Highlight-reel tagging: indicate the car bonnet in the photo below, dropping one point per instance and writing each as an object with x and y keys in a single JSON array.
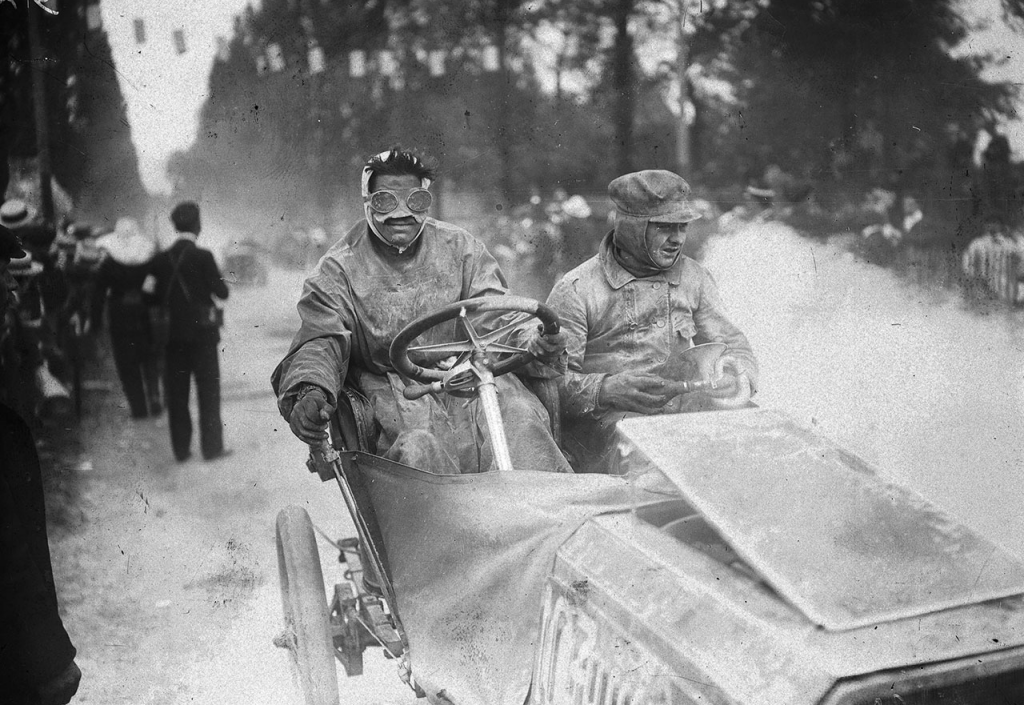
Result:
[{"x": 843, "y": 546}]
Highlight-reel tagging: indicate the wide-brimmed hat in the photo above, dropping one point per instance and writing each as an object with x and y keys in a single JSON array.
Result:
[
  {"x": 654, "y": 195},
  {"x": 16, "y": 212},
  {"x": 10, "y": 246},
  {"x": 24, "y": 267}
]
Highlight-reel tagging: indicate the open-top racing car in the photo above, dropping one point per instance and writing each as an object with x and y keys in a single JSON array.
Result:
[{"x": 777, "y": 567}]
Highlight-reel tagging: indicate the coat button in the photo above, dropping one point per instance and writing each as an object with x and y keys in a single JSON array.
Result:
[{"x": 661, "y": 323}]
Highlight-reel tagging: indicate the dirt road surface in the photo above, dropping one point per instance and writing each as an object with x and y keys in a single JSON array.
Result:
[{"x": 167, "y": 572}]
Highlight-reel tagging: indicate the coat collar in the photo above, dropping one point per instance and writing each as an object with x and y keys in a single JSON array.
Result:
[
  {"x": 618, "y": 277},
  {"x": 184, "y": 237}
]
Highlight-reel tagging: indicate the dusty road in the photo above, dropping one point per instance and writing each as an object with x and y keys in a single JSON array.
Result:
[{"x": 167, "y": 573}]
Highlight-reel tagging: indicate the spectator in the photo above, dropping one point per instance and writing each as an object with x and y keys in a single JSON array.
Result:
[
  {"x": 119, "y": 281},
  {"x": 186, "y": 277},
  {"x": 24, "y": 222}
]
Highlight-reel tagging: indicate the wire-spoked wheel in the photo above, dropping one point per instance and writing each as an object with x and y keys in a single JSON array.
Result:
[{"x": 307, "y": 620}]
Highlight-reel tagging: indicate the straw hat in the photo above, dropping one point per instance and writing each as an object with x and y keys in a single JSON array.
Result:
[
  {"x": 15, "y": 213},
  {"x": 24, "y": 267}
]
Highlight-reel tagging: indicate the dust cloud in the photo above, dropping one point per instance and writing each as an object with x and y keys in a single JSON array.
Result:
[{"x": 924, "y": 387}]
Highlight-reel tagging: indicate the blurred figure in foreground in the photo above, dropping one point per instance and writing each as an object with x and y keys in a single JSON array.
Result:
[
  {"x": 129, "y": 253},
  {"x": 185, "y": 280},
  {"x": 631, "y": 310},
  {"x": 37, "y": 659}
]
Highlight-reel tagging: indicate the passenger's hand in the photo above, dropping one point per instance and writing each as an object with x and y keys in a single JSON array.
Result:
[
  {"x": 310, "y": 415},
  {"x": 728, "y": 370},
  {"x": 547, "y": 347},
  {"x": 734, "y": 386},
  {"x": 60, "y": 689},
  {"x": 640, "y": 393}
]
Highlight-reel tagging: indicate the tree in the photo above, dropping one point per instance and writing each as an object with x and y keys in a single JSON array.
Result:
[
  {"x": 856, "y": 95},
  {"x": 850, "y": 94},
  {"x": 92, "y": 153}
]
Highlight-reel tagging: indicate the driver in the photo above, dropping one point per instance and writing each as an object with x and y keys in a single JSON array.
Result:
[
  {"x": 630, "y": 311},
  {"x": 387, "y": 270}
]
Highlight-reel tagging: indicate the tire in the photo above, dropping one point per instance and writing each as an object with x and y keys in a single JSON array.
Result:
[{"x": 305, "y": 607}]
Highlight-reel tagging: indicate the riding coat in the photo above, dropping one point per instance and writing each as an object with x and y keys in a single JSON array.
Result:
[
  {"x": 616, "y": 322},
  {"x": 361, "y": 294}
]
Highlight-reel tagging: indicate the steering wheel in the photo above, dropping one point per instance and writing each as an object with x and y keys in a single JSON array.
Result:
[{"x": 478, "y": 347}]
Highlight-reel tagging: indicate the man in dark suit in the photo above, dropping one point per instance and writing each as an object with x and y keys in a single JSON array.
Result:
[
  {"x": 37, "y": 659},
  {"x": 186, "y": 279}
]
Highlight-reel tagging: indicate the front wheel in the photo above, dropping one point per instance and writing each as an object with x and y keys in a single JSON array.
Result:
[{"x": 307, "y": 619}]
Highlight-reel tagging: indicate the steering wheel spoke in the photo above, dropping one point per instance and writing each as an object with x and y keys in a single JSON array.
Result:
[
  {"x": 446, "y": 349},
  {"x": 505, "y": 330},
  {"x": 469, "y": 330},
  {"x": 502, "y": 348}
]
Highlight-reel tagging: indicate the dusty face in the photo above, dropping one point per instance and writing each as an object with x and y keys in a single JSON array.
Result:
[
  {"x": 665, "y": 242},
  {"x": 401, "y": 226}
]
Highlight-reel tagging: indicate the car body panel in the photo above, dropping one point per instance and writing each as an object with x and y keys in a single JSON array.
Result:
[
  {"x": 671, "y": 624},
  {"x": 845, "y": 547}
]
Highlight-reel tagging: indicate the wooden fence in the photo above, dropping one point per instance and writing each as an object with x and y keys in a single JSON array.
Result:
[
  {"x": 993, "y": 266},
  {"x": 986, "y": 269}
]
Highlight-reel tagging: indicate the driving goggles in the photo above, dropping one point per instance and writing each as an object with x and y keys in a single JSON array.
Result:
[{"x": 384, "y": 201}]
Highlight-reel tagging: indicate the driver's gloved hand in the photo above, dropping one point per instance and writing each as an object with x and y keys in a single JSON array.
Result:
[
  {"x": 547, "y": 348},
  {"x": 310, "y": 414}
]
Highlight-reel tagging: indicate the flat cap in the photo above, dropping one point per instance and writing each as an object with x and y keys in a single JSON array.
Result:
[
  {"x": 655, "y": 195},
  {"x": 10, "y": 246}
]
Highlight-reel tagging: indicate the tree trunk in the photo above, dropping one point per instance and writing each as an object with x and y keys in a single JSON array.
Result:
[
  {"x": 42, "y": 123},
  {"x": 502, "y": 20},
  {"x": 623, "y": 82},
  {"x": 684, "y": 155}
]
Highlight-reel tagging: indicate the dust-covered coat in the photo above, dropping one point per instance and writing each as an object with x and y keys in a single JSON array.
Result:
[
  {"x": 618, "y": 322},
  {"x": 359, "y": 297}
]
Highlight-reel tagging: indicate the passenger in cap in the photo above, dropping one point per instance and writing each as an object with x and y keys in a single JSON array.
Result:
[
  {"x": 390, "y": 268},
  {"x": 630, "y": 312}
]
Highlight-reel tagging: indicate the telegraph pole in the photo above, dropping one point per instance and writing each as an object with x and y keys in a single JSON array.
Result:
[{"x": 42, "y": 123}]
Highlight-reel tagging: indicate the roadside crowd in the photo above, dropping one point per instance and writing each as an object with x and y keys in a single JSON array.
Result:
[
  {"x": 57, "y": 288},
  {"x": 48, "y": 324},
  {"x": 74, "y": 282}
]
